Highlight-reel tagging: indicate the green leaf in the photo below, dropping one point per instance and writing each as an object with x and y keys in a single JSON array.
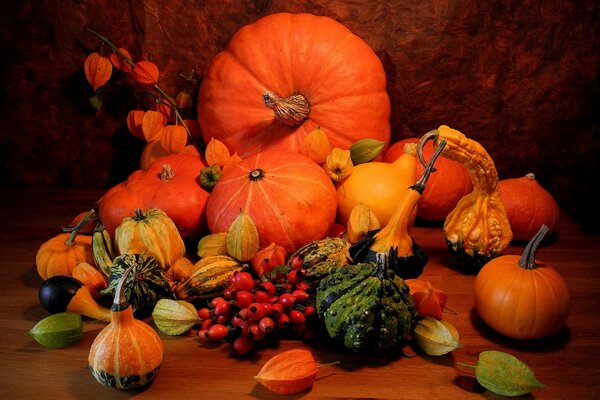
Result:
[
  {"x": 505, "y": 374},
  {"x": 365, "y": 150},
  {"x": 96, "y": 101},
  {"x": 58, "y": 330}
]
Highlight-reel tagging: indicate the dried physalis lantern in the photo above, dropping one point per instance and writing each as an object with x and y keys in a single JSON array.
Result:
[
  {"x": 292, "y": 371},
  {"x": 216, "y": 153},
  {"x": 316, "y": 146},
  {"x": 134, "y": 123},
  {"x": 174, "y": 138},
  {"x": 145, "y": 72},
  {"x": 120, "y": 61},
  {"x": 98, "y": 70},
  {"x": 360, "y": 222},
  {"x": 339, "y": 164},
  {"x": 242, "y": 238}
]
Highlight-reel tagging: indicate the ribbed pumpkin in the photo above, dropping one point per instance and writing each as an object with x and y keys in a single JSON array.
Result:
[
  {"x": 127, "y": 353},
  {"x": 153, "y": 232},
  {"x": 288, "y": 196},
  {"x": 450, "y": 182},
  {"x": 286, "y": 74},
  {"x": 171, "y": 183},
  {"x": 528, "y": 206}
]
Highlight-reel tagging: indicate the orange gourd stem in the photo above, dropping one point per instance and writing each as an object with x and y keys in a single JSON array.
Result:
[
  {"x": 74, "y": 231},
  {"x": 527, "y": 260},
  {"x": 291, "y": 111}
]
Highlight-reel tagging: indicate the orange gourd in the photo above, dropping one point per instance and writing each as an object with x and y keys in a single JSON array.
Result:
[
  {"x": 449, "y": 183},
  {"x": 288, "y": 196},
  {"x": 528, "y": 205},
  {"x": 521, "y": 297},
  {"x": 171, "y": 183},
  {"x": 285, "y": 75},
  {"x": 379, "y": 186}
]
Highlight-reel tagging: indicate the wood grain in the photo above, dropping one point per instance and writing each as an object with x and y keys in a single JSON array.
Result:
[{"x": 566, "y": 362}]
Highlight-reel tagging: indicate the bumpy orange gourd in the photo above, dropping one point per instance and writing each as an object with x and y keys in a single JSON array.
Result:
[
  {"x": 379, "y": 186},
  {"x": 450, "y": 182},
  {"x": 521, "y": 297},
  {"x": 286, "y": 74},
  {"x": 528, "y": 206},
  {"x": 171, "y": 183},
  {"x": 288, "y": 196}
]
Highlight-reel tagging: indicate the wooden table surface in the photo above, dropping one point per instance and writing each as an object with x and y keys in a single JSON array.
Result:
[{"x": 567, "y": 363}]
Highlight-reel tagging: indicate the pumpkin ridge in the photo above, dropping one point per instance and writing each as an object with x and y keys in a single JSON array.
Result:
[
  {"x": 283, "y": 223},
  {"x": 232, "y": 198}
]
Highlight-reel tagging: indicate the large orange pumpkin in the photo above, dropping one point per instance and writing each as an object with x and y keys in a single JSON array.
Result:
[
  {"x": 171, "y": 183},
  {"x": 450, "y": 183},
  {"x": 286, "y": 74},
  {"x": 288, "y": 196}
]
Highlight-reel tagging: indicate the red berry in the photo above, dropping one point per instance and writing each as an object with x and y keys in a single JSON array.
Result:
[
  {"x": 243, "y": 281},
  {"x": 213, "y": 303},
  {"x": 268, "y": 307},
  {"x": 296, "y": 317},
  {"x": 283, "y": 321},
  {"x": 292, "y": 276},
  {"x": 261, "y": 297},
  {"x": 296, "y": 262},
  {"x": 242, "y": 345},
  {"x": 235, "y": 320},
  {"x": 203, "y": 335},
  {"x": 300, "y": 295},
  {"x": 223, "y": 308},
  {"x": 302, "y": 286},
  {"x": 276, "y": 309},
  {"x": 310, "y": 312},
  {"x": 256, "y": 311},
  {"x": 266, "y": 324},
  {"x": 267, "y": 287},
  {"x": 223, "y": 319},
  {"x": 204, "y": 313},
  {"x": 229, "y": 293},
  {"x": 245, "y": 326},
  {"x": 207, "y": 323},
  {"x": 243, "y": 314},
  {"x": 243, "y": 299},
  {"x": 255, "y": 333},
  {"x": 287, "y": 300},
  {"x": 218, "y": 332}
]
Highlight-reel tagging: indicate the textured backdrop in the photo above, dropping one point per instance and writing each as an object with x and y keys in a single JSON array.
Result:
[{"x": 520, "y": 76}]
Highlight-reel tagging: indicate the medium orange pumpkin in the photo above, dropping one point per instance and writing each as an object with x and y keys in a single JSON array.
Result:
[
  {"x": 287, "y": 74},
  {"x": 171, "y": 183},
  {"x": 288, "y": 196},
  {"x": 528, "y": 205},
  {"x": 446, "y": 186},
  {"x": 521, "y": 297}
]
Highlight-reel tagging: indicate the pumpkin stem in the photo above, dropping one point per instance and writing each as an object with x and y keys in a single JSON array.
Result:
[
  {"x": 431, "y": 135},
  {"x": 139, "y": 215},
  {"x": 527, "y": 260},
  {"x": 167, "y": 173},
  {"x": 419, "y": 186},
  {"x": 90, "y": 216},
  {"x": 291, "y": 111}
]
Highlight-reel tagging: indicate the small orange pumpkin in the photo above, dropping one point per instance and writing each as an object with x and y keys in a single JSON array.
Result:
[
  {"x": 521, "y": 297},
  {"x": 288, "y": 196},
  {"x": 446, "y": 186},
  {"x": 528, "y": 205}
]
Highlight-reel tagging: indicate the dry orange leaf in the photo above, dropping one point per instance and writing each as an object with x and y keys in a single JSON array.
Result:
[
  {"x": 134, "y": 123},
  {"x": 153, "y": 123},
  {"x": 316, "y": 146},
  {"x": 145, "y": 72},
  {"x": 292, "y": 371},
  {"x": 216, "y": 153},
  {"x": 98, "y": 70},
  {"x": 119, "y": 63},
  {"x": 174, "y": 138}
]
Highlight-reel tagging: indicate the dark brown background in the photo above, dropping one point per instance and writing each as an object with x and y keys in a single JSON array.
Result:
[{"x": 521, "y": 77}]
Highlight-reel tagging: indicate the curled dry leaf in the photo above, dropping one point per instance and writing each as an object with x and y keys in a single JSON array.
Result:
[
  {"x": 119, "y": 63},
  {"x": 145, "y": 72},
  {"x": 316, "y": 146},
  {"x": 216, "y": 153},
  {"x": 98, "y": 70},
  {"x": 134, "y": 123},
  {"x": 339, "y": 164},
  {"x": 153, "y": 123},
  {"x": 174, "y": 138},
  {"x": 292, "y": 371}
]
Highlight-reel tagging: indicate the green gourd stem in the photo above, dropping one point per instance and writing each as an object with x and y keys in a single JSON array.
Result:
[
  {"x": 419, "y": 186},
  {"x": 527, "y": 260},
  {"x": 431, "y": 135},
  {"x": 90, "y": 216},
  {"x": 166, "y": 97}
]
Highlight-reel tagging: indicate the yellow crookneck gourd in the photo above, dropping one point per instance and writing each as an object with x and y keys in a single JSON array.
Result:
[
  {"x": 478, "y": 229},
  {"x": 403, "y": 255}
]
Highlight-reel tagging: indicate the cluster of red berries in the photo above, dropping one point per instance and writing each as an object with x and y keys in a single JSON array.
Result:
[{"x": 251, "y": 309}]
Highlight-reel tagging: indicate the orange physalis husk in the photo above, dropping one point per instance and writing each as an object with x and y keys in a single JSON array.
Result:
[
  {"x": 292, "y": 371},
  {"x": 98, "y": 70},
  {"x": 268, "y": 258},
  {"x": 134, "y": 123},
  {"x": 429, "y": 301},
  {"x": 152, "y": 152},
  {"x": 119, "y": 63},
  {"x": 174, "y": 138},
  {"x": 145, "y": 72},
  {"x": 316, "y": 146},
  {"x": 191, "y": 150},
  {"x": 216, "y": 153},
  {"x": 153, "y": 124},
  {"x": 165, "y": 109},
  {"x": 339, "y": 164}
]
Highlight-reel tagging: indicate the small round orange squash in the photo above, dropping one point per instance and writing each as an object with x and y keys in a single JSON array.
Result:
[
  {"x": 528, "y": 206},
  {"x": 285, "y": 75},
  {"x": 289, "y": 197},
  {"x": 446, "y": 186}
]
